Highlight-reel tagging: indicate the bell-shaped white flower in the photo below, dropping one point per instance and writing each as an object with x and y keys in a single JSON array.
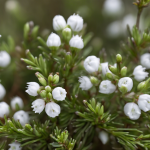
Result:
[
  {"x": 59, "y": 94},
  {"x": 53, "y": 40},
  {"x": 85, "y": 83},
  {"x": 139, "y": 73},
  {"x": 16, "y": 100},
  {"x": 4, "y": 109},
  {"x": 32, "y": 88},
  {"x": 103, "y": 136},
  {"x": 22, "y": 117},
  {"x": 15, "y": 146},
  {"x": 126, "y": 82},
  {"x": 2, "y": 91},
  {"x": 38, "y": 105},
  {"x": 105, "y": 68},
  {"x": 106, "y": 87},
  {"x": 52, "y": 109},
  {"x": 59, "y": 23},
  {"x": 145, "y": 60},
  {"x": 132, "y": 111},
  {"x": 76, "y": 42},
  {"x": 75, "y": 22},
  {"x": 113, "y": 7},
  {"x": 144, "y": 102},
  {"x": 4, "y": 59},
  {"x": 91, "y": 64}
]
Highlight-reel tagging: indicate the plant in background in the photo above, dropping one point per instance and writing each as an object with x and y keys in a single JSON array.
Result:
[{"x": 84, "y": 97}]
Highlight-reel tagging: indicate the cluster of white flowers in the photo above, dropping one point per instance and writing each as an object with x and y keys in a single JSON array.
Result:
[
  {"x": 133, "y": 111},
  {"x": 59, "y": 24},
  {"x": 51, "y": 108}
]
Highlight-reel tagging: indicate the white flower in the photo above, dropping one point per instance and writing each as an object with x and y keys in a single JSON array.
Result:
[
  {"x": 75, "y": 22},
  {"x": 38, "y": 105},
  {"x": 53, "y": 40},
  {"x": 22, "y": 117},
  {"x": 91, "y": 64},
  {"x": 106, "y": 87},
  {"x": 16, "y": 100},
  {"x": 145, "y": 60},
  {"x": 113, "y": 7},
  {"x": 85, "y": 83},
  {"x": 4, "y": 59},
  {"x": 76, "y": 42},
  {"x": 52, "y": 109},
  {"x": 144, "y": 102},
  {"x": 15, "y": 146},
  {"x": 132, "y": 111},
  {"x": 103, "y": 136},
  {"x": 59, "y": 23},
  {"x": 126, "y": 82},
  {"x": 2, "y": 91},
  {"x": 59, "y": 94},
  {"x": 139, "y": 73},
  {"x": 105, "y": 68},
  {"x": 4, "y": 109},
  {"x": 33, "y": 87}
]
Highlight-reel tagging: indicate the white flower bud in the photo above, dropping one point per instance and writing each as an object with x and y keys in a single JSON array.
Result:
[
  {"x": 103, "y": 136},
  {"x": 4, "y": 59},
  {"x": 52, "y": 109},
  {"x": 2, "y": 91},
  {"x": 126, "y": 82},
  {"x": 59, "y": 94},
  {"x": 91, "y": 64},
  {"x": 139, "y": 73},
  {"x": 85, "y": 83},
  {"x": 32, "y": 88},
  {"x": 145, "y": 60},
  {"x": 38, "y": 105},
  {"x": 53, "y": 40},
  {"x": 76, "y": 42},
  {"x": 75, "y": 22},
  {"x": 105, "y": 68},
  {"x": 132, "y": 111},
  {"x": 15, "y": 146},
  {"x": 144, "y": 102},
  {"x": 106, "y": 87},
  {"x": 4, "y": 109},
  {"x": 22, "y": 117},
  {"x": 16, "y": 100},
  {"x": 59, "y": 23}
]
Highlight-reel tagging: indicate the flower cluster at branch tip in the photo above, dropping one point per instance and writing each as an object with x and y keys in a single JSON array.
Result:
[
  {"x": 49, "y": 96},
  {"x": 75, "y": 24}
]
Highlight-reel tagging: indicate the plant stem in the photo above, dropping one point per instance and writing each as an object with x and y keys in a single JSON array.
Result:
[{"x": 138, "y": 17}]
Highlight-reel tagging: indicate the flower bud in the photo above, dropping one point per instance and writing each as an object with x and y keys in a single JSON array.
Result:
[
  {"x": 141, "y": 86},
  {"x": 67, "y": 34},
  {"x": 49, "y": 95},
  {"x": 94, "y": 80},
  {"x": 75, "y": 22},
  {"x": 123, "y": 71},
  {"x": 53, "y": 41},
  {"x": 109, "y": 76},
  {"x": 118, "y": 58},
  {"x": 48, "y": 89},
  {"x": 43, "y": 93},
  {"x": 59, "y": 23},
  {"x": 50, "y": 78},
  {"x": 68, "y": 57},
  {"x": 123, "y": 89},
  {"x": 4, "y": 59},
  {"x": 76, "y": 43},
  {"x": 55, "y": 79},
  {"x": 113, "y": 69},
  {"x": 42, "y": 81}
]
